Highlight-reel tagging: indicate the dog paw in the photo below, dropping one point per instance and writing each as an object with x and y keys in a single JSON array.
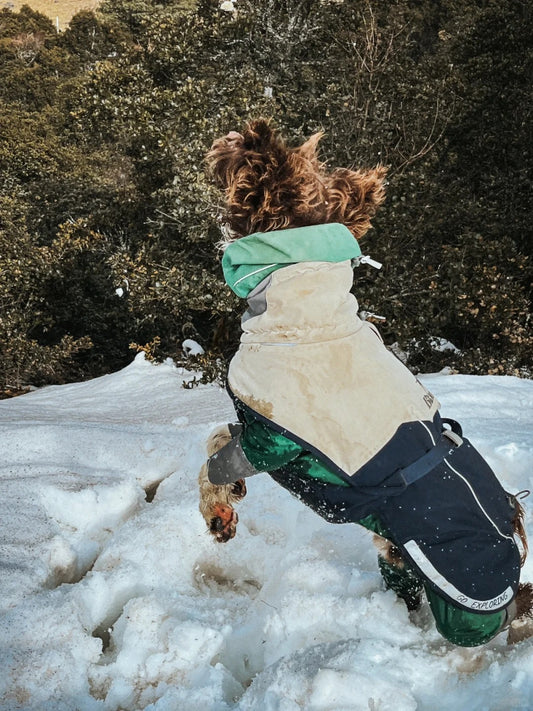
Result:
[
  {"x": 223, "y": 525},
  {"x": 238, "y": 490}
]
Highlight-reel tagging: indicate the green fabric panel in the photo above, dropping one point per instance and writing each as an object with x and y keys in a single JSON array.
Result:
[
  {"x": 249, "y": 260},
  {"x": 268, "y": 450},
  {"x": 403, "y": 581},
  {"x": 466, "y": 629},
  {"x": 374, "y": 524},
  {"x": 265, "y": 449},
  {"x": 311, "y": 466}
]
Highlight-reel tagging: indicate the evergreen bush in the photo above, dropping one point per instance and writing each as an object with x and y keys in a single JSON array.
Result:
[{"x": 109, "y": 224}]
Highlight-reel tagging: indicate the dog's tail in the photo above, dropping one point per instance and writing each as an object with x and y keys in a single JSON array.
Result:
[
  {"x": 524, "y": 597},
  {"x": 519, "y": 529}
]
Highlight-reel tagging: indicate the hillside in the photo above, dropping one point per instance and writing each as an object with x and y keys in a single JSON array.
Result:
[{"x": 59, "y": 11}]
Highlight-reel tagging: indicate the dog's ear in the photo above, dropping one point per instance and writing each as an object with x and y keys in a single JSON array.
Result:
[
  {"x": 354, "y": 197},
  {"x": 224, "y": 158},
  {"x": 259, "y": 136},
  {"x": 257, "y": 144},
  {"x": 308, "y": 150}
]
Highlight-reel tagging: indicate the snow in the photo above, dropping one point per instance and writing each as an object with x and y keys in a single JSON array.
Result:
[
  {"x": 115, "y": 599},
  {"x": 192, "y": 348}
]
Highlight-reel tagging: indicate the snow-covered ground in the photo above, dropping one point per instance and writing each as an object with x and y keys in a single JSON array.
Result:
[{"x": 114, "y": 602}]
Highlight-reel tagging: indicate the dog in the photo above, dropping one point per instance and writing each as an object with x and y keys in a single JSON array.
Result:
[{"x": 276, "y": 190}]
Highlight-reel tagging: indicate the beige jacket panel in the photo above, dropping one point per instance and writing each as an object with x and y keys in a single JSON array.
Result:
[{"x": 312, "y": 366}]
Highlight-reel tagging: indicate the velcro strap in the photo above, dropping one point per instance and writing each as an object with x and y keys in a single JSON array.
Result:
[
  {"x": 449, "y": 441},
  {"x": 399, "y": 480}
]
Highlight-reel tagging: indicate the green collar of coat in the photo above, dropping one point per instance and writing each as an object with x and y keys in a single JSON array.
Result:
[{"x": 249, "y": 260}]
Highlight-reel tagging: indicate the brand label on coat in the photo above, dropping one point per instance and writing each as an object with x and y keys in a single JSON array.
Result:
[{"x": 429, "y": 570}]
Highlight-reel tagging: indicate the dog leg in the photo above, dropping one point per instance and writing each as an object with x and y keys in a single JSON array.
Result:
[
  {"x": 407, "y": 586},
  {"x": 388, "y": 551},
  {"x": 521, "y": 627},
  {"x": 216, "y": 502}
]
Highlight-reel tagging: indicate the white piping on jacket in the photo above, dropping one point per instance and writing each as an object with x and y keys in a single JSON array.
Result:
[
  {"x": 257, "y": 271},
  {"x": 510, "y": 538}
]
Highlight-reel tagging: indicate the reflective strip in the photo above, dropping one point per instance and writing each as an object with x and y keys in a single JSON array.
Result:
[
  {"x": 509, "y": 538},
  {"x": 429, "y": 570},
  {"x": 257, "y": 271},
  {"x": 503, "y": 535}
]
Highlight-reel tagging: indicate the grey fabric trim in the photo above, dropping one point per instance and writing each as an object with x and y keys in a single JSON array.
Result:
[
  {"x": 235, "y": 428},
  {"x": 229, "y": 464},
  {"x": 256, "y": 299}
]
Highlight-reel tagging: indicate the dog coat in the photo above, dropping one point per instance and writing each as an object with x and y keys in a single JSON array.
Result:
[
  {"x": 314, "y": 372},
  {"x": 306, "y": 361}
]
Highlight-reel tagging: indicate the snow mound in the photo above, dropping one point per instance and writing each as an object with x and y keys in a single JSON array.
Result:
[{"x": 114, "y": 597}]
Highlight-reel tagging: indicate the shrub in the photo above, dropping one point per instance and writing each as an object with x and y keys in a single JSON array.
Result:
[{"x": 103, "y": 190}]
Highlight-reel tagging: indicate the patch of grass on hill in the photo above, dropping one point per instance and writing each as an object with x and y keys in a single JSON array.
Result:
[{"x": 59, "y": 11}]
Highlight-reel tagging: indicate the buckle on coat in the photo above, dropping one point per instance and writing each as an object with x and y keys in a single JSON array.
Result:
[{"x": 453, "y": 436}]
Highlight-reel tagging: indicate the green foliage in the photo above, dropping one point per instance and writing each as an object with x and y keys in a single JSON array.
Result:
[
  {"x": 102, "y": 186},
  {"x": 25, "y": 310},
  {"x": 90, "y": 40}
]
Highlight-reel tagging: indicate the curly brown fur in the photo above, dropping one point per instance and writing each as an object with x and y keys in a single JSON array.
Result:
[
  {"x": 520, "y": 530},
  {"x": 524, "y": 601},
  {"x": 269, "y": 186},
  {"x": 216, "y": 501},
  {"x": 521, "y": 626},
  {"x": 388, "y": 551}
]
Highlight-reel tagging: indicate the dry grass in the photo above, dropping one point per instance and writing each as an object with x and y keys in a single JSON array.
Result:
[{"x": 59, "y": 11}]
